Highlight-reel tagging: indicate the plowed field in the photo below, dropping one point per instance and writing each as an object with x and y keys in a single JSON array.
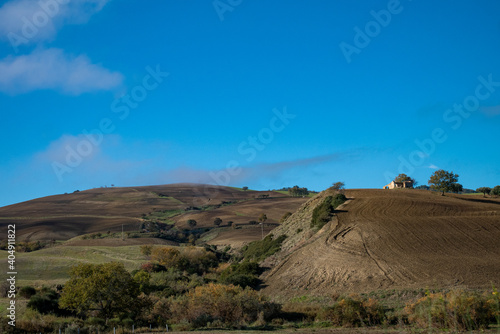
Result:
[{"x": 384, "y": 239}]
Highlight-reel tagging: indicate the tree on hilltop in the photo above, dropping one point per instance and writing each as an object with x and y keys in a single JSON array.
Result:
[
  {"x": 445, "y": 181},
  {"x": 403, "y": 177},
  {"x": 298, "y": 192},
  {"x": 484, "y": 190},
  {"x": 495, "y": 191},
  {"x": 338, "y": 186}
]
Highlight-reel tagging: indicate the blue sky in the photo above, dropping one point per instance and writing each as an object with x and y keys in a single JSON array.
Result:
[{"x": 256, "y": 93}]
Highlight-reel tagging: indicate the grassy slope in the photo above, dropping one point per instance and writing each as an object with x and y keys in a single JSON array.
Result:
[{"x": 50, "y": 266}]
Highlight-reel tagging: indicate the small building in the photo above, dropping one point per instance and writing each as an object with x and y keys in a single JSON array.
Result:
[{"x": 399, "y": 185}]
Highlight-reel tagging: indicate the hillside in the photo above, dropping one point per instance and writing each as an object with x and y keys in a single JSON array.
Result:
[
  {"x": 383, "y": 239},
  {"x": 63, "y": 217}
]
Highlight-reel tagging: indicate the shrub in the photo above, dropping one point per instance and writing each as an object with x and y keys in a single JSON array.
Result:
[
  {"x": 354, "y": 312},
  {"x": 190, "y": 259},
  {"x": 146, "y": 250},
  {"x": 151, "y": 267},
  {"x": 225, "y": 304},
  {"x": 284, "y": 217},
  {"x": 4, "y": 289},
  {"x": 323, "y": 212},
  {"x": 166, "y": 256},
  {"x": 33, "y": 322},
  {"x": 457, "y": 309},
  {"x": 27, "y": 292},
  {"x": 242, "y": 274},
  {"x": 45, "y": 303},
  {"x": 259, "y": 250}
]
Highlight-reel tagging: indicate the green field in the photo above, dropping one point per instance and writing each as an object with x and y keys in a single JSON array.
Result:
[{"x": 50, "y": 266}]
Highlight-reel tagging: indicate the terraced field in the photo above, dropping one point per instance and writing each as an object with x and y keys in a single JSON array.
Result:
[{"x": 385, "y": 239}]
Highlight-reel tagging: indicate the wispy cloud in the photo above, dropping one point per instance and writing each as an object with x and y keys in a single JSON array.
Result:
[
  {"x": 58, "y": 150},
  {"x": 251, "y": 173},
  {"x": 29, "y": 21},
  {"x": 491, "y": 111},
  {"x": 432, "y": 166},
  {"x": 53, "y": 69},
  {"x": 87, "y": 157}
]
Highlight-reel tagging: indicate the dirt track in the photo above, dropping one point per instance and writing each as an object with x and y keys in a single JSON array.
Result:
[{"x": 397, "y": 239}]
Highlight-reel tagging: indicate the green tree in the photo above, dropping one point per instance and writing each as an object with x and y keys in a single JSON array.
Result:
[
  {"x": 245, "y": 188},
  {"x": 262, "y": 218},
  {"x": 295, "y": 191},
  {"x": 192, "y": 223},
  {"x": 217, "y": 221},
  {"x": 338, "y": 186},
  {"x": 444, "y": 181},
  {"x": 484, "y": 190},
  {"x": 105, "y": 288},
  {"x": 403, "y": 177},
  {"x": 495, "y": 191}
]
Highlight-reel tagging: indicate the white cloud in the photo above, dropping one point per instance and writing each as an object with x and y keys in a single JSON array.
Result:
[
  {"x": 432, "y": 166},
  {"x": 53, "y": 69},
  {"x": 59, "y": 150},
  {"x": 29, "y": 21}
]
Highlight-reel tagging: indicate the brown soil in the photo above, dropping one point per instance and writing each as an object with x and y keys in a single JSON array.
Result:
[
  {"x": 240, "y": 237},
  {"x": 385, "y": 239},
  {"x": 118, "y": 242},
  {"x": 63, "y": 217}
]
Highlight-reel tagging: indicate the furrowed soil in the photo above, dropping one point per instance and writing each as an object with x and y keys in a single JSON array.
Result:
[
  {"x": 63, "y": 217},
  {"x": 389, "y": 239}
]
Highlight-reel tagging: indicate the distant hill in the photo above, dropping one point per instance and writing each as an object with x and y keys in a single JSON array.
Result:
[
  {"x": 63, "y": 217},
  {"x": 385, "y": 239}
]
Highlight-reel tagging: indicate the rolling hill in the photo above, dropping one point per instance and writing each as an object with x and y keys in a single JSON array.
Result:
[
  {"x": 389, "y": 239},
  {"x": 63, "y": 217}
]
